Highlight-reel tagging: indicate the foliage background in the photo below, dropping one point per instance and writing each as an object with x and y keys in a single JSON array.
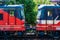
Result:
[{"x": 30, "y": 8}]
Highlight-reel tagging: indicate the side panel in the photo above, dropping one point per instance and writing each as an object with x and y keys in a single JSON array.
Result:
[
  {"x": 11, "y": 20},
  {"x": 5, "y": 18},
  {"x": 4, "y": 21},
  {"x": 19, "y": 22}
]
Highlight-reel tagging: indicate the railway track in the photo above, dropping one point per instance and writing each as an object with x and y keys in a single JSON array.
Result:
[{"x": 27, "y": 38}]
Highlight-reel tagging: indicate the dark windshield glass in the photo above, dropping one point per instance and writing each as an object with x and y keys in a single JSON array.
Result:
[
  {"x": 18, "y": 13},
  {"x": 58, "y": 14},
  {"x": 49, "y": 14}
]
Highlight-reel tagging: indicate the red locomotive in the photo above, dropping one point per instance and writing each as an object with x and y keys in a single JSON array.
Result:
[{"x": 12, "y": 18}]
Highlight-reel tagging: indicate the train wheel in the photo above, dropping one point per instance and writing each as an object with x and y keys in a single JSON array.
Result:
[
  {"x": 8, "y": 34},
  {"x": 19, "y": 34},
  {"x": 41, "y": 33},
  {"x": 56, "y": 34},
  {"x": 50, "y": 34}
]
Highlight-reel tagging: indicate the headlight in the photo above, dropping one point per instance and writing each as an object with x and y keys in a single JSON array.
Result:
[{"x": 38, "y": 20}]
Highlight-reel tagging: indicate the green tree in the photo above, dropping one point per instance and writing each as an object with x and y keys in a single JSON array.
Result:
[{"x": 30, "y": 14}]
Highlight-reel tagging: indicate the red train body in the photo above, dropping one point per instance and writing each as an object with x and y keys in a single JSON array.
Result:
[{"x": 12, "y": 18}]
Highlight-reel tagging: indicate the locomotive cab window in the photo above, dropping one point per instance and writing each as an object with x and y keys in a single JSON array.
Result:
[
  {"x": 1, "y": 16},
  {"x": 11, "y": 12}
]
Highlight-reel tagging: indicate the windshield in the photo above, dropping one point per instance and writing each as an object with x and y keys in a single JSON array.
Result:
[
  {"x": 49, "y": 14},
  {"x": 19, "y": 13}
]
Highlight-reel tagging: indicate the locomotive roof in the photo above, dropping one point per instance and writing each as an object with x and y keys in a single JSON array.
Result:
[
  {"x": 12, "y": 6},
  {"x": 48, "y": 6}
]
